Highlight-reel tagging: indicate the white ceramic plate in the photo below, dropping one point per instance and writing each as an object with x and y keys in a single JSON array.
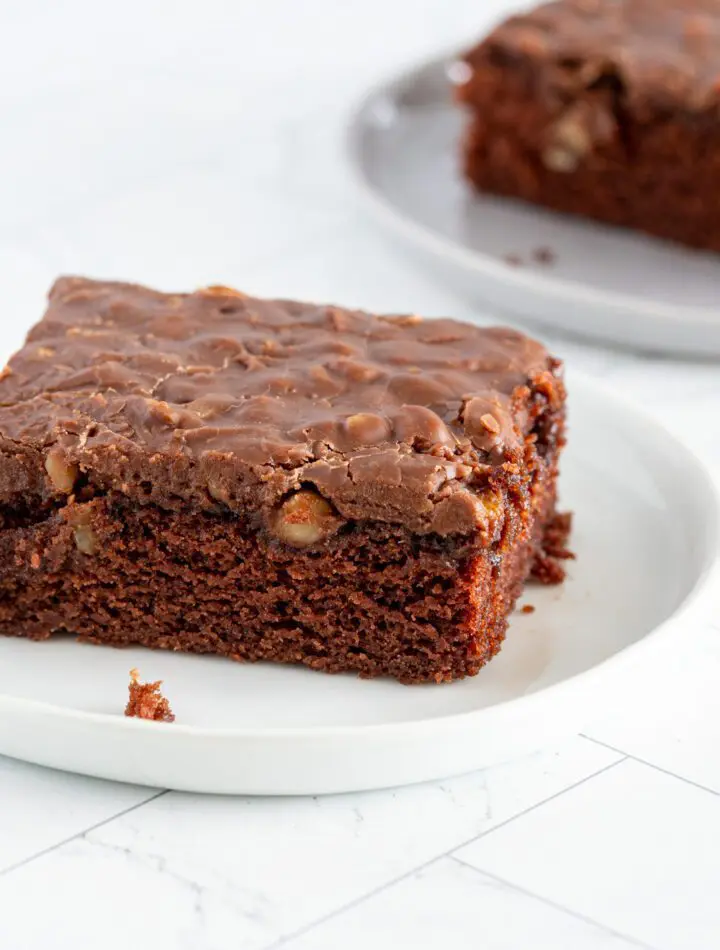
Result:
[
  {"x": 605, "y": 283},
  {"x": 646, "y": 537}
]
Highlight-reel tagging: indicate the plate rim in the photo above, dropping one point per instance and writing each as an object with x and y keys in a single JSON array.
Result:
[
  {"x": 432, "y": 242},
  {"x": 693, "y": 601}
]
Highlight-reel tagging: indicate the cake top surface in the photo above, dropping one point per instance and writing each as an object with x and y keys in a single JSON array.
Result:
[
  {"x": 663, "y": 51},
  {"x": 229, "y": 392}
]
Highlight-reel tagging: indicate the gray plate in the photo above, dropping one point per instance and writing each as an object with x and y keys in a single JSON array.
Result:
[{"x": 604, "y": 283}]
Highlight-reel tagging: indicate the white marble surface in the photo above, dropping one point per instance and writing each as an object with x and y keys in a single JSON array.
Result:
[{"x": 612, "y": 840}]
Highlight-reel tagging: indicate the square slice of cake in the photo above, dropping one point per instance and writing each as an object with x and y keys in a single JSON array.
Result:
[
  {"x": 270, "y": 480},
  {"x": 603, "y": 108}
]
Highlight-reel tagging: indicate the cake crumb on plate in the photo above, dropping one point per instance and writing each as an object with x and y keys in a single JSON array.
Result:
[
  {"x": 544, "y": 255},
  {"x": 146, "y": 701}
]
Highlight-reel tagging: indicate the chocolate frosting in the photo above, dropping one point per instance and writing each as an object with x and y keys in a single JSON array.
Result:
[
  {"x": 216, "y": 398},
  {"x": 663, "y": 53}
]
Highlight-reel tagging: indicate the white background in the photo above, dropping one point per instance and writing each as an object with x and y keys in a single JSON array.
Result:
[{"x": 183, "y": 144}]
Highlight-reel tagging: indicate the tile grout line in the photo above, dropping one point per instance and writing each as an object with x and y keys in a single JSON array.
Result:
[
  {"x": 650, "y": 765},
  {"x": 526, "y": 811},
  {"x": 550, "y": 903},
  {"x": 286, "y": 938},
  {"x": 80, "y": 834}
]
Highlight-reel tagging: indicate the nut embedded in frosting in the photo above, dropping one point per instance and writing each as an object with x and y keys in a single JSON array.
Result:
[
  {"x": 367, "y": 428},
  {"x": 304, "y": 518},
  {"x": 62, "y": 473},
  {"x": 490, "y": 423},
  {"x": 220, "y": 290},
  {"x": 413, "y": 423}
]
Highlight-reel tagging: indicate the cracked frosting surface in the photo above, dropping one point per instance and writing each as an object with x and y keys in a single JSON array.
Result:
[
  {"x": 219, "y": 398},
  {"x": 664, "y": 52}
]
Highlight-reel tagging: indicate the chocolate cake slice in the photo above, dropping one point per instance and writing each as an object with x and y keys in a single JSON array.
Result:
[
  {"x": 604, "y": 108},
  {"x": 270, "y": 480}
]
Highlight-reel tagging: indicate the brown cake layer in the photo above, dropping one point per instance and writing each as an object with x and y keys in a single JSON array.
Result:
[
  {"x": 272, "y": 480},
  {"x": 603, "y": 108}
]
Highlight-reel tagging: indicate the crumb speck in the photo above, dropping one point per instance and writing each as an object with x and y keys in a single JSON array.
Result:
[
  {"x": 544, "y": 255},
  {"x": 527, "y": 609},
  {"x": 146, "y": 701}
]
